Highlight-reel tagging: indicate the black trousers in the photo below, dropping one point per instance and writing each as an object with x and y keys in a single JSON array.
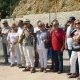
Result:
[{"x": 57, "y": 60}]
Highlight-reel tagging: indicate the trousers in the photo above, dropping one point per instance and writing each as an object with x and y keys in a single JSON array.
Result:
[
  {"x": 29, "y": 55},
  {"x": 73, "y": 59},
  {"x": 15, "y": 54},
  {"x": 42, "y": 57},
  {"x": 23, "y": 62}
]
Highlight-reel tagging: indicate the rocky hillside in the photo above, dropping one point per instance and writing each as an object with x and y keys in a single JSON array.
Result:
[{"x": 44, "y": 6}]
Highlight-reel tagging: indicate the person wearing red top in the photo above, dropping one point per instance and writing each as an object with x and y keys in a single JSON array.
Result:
[{"x": 58, "y": 42}]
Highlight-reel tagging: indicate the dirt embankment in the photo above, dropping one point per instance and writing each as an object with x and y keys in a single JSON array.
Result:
[{"x": 44, "y": 6}]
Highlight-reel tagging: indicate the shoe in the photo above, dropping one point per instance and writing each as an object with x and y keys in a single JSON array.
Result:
[
  {"x": 33, "y": 70},
  {"x": 51, "y": 68},
  {"x": 22, "y": 67},
  {"x": 26, "y": 69},
  {"x": 74, "y": 75},
  {"x": 6, "y": 63},
  {"x": 69, "y": 73},
  {"x": 12, "y": 65},
  {"x": 45, "y": 71},
  {"x": 78, "y": 78},
  {"x": 55, "y": 70},
  {"x": 59, "y": 72},
  {"x": 19, "y": 65},
  {"x": 42, "y": 69}
]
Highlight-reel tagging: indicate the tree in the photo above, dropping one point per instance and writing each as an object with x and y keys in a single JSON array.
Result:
[{"x": 7, "y": 7}]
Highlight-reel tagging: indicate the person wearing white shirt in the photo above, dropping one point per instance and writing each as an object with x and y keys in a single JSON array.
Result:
[
  {"x": 20, "y": 32},
  {"x": 40, "y": 46},
  {"x": 12, "y": 39},
  {"x": 75, "y": 52}
]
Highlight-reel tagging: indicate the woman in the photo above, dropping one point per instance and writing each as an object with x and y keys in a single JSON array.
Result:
[
  {"x": 41, "y": 46},
  {"x": 68, "y": 35},
  {"x": 28, "y": 49},
  {"x": 14, "y": 48},
  {"x": 75, "y": 51}
]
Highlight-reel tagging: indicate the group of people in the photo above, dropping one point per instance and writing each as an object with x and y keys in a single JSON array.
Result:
[{"x": 29, "y": 46}]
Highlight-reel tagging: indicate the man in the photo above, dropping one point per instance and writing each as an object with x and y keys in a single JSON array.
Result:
[
  {"x": 20, "y": 31},
  {"x": 5, "y": 30},
  {"x": 58, "y": 42},
  {"x": 36, "y": 53}
]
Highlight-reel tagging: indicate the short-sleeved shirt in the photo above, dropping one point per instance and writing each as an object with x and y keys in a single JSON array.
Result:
[{"x": 58, "y": 37}]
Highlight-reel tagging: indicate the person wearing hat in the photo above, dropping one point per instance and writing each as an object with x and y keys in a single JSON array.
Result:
[
  {"x": 28, "y": 47},
  {"x": 12, "y": 39},
  {"x": 20, "y": 31},
  {"x": 75, "y": 51},
  {"x": 4, "y": 33}
]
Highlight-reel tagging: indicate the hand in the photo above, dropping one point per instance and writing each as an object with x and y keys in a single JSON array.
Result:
[
  {"x": 14, "y": 43},
  {"x": 62, "y": 49},
  {"x": 66, "y": 47}
]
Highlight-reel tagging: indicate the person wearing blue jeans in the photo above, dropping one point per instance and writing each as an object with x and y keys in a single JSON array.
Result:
[{"x": 58, "y": 59}]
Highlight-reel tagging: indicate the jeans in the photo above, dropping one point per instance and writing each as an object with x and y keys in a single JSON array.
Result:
[
  {"x": 49, "y": 54},
  {"x": 5, "y": 52},
  {"x": 58, "y": 60}
]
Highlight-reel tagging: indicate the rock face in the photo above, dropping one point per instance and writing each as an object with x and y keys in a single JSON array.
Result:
[{"x": 45, "y": 6}]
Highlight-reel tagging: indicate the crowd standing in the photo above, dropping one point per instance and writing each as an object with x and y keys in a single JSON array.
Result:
[{"x": 30, "y": 47}]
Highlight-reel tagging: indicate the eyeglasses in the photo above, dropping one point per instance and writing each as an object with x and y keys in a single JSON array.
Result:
[
  {"x": 40, "y": 26},
  {"x": 77, "y": 23}
]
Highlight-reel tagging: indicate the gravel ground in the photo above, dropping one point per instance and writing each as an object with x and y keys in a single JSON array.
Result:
[{"x": 14, "y": 73}]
